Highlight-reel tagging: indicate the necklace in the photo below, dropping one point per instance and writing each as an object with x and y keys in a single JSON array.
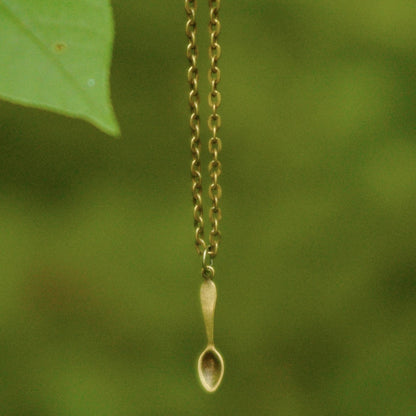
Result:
[{"x": 210, "y": 362}]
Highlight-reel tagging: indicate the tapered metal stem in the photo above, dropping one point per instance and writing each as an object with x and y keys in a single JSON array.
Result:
[{"x": 208, "y": 294}]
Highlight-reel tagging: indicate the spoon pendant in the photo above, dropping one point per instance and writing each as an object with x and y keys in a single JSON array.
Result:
[{"x": 210, "y": 362}]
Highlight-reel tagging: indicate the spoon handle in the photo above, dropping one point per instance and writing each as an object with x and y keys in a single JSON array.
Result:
[{"x": 208, "y": 295}]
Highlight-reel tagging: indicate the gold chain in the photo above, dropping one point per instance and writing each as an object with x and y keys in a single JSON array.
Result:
[
  {"x": 214, "y": 123},
  {"x": 210, "y": 362}
]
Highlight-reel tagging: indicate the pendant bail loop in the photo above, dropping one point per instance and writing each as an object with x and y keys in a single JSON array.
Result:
[{"x": 208, "y": 271}]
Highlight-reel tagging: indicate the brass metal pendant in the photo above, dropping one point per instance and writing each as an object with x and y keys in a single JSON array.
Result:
[{"x": 210, "y": 362}]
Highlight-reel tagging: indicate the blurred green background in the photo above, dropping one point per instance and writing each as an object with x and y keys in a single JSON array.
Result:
[{"x": 99, "y": 311}]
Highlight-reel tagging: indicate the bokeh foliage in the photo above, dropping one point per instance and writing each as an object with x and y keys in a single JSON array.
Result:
[{"x": 316, "y": 272}]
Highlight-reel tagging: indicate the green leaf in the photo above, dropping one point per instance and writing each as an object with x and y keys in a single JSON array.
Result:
[{"x": 56, "y": 55}]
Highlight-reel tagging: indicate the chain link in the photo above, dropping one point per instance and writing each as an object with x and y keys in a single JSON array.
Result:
[{"x": 214, "y": 123}]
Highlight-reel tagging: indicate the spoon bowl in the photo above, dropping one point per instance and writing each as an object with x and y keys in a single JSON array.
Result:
[{"x": 210, "y": 368}]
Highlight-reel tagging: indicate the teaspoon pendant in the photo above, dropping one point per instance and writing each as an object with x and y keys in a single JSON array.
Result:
[{"x": 210, "y": 362}]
